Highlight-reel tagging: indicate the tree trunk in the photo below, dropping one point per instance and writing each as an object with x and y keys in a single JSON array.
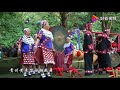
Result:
[
  {"x": 63, "y": 16},
  {"x": 103, "y": 22},
  {"x": 106, "y": 24}
]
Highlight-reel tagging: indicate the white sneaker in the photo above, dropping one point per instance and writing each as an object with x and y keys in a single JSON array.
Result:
[
  {"x": 33, "y": 72},
  {"x": 48, "y": 74},
  {"x": 25, "y": 74},
  {"x": 38, "y": 72},
  {"x": 21, "y": 70},
  {"x": 43, "y": 75},
  {"x": 29, "y": 73}
]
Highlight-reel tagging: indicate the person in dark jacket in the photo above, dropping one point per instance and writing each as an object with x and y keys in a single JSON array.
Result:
[{"x": 88, "y": 47}]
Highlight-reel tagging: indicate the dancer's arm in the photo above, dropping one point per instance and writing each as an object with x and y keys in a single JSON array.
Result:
[{"x": 36, "y": 44}]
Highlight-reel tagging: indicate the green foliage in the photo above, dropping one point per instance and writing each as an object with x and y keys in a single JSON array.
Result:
[
  {"x": 12, "y": 24},
  {"x": 77, "y": 19},
  {"x": 116, "y": 24},
  {"x": 74, "y": 40},
  {"x": 51, "y": 17},
  {"x": 97, "y": 26},
  {"x": 10, "y": 28}
]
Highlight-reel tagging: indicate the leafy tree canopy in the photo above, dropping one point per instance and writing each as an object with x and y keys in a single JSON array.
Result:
[{"x": 13, "y": 23}]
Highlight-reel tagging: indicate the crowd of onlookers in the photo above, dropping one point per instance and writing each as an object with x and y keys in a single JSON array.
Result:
[{"x": 10, "y": 51}]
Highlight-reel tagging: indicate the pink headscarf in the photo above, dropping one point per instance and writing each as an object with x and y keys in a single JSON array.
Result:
[
  {"x": 44, "y": 22},
  {"x": 88, "y": 25}
]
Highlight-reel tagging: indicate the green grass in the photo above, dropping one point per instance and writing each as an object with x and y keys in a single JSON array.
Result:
[
  {"x": 6, "y": 64},
  {"x": 66, "y": 75}
]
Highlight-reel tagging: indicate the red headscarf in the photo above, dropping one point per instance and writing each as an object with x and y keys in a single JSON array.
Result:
[
  {"x": 88, "y": 31},
  {"x": 88, "y": 25}
]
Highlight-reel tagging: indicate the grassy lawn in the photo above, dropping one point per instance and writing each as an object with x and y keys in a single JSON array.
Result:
[
  {"x": 6, "y": 64},
  {"x": 66, "y": 75}
]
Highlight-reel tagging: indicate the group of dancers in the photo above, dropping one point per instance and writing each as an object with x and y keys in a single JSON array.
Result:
[
  {"x": 102, "y": 46},
  {"x": 39, "y": 51}
]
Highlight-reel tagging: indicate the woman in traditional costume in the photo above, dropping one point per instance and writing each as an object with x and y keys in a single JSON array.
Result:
[
  {"x": 68, "y": 48},
  {"x": 44, "y": 49},
  {"x": 25, "y": 47}
]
